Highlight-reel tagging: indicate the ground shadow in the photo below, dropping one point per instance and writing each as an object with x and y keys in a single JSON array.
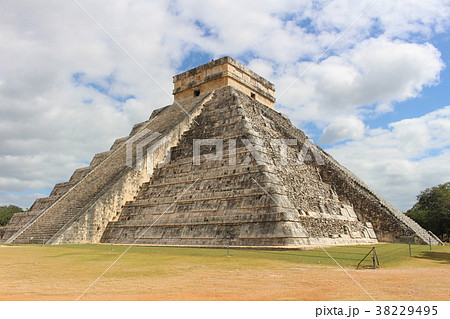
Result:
[{"x": 441, "y": 257}]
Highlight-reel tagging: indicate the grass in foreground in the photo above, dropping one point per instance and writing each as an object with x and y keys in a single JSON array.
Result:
[
  {"x": 36, "y": 272},
  {"x": 389, "y": 255}
]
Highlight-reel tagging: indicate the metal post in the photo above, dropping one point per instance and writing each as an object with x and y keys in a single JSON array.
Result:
[
  {"x": 228, "y": 250},
  {"x": 429, "y": 240},
  {"x": 410, "y": 254},
  {"x": 374, "y": 258}
]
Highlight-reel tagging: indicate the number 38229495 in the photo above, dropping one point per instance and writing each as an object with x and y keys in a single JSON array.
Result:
[{"x": 406, "y": 310}]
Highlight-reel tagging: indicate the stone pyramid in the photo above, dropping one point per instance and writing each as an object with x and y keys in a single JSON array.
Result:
[{"x": 217, "y": 167}]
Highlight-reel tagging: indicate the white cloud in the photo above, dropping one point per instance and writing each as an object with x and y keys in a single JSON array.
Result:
[
  {"x": 262, "y": 67},
  {"x": 374, "y": 74},
  {"x": 21, "y": 200},
  {"x": 403, "y": 160},
  {"x": 395, "y": 19},
  {"x": 342, "y": 129},
  {"x": 51, "y": 124}
]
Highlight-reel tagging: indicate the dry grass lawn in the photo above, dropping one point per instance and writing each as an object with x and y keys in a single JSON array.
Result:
[{"x": 32, "y": 272}]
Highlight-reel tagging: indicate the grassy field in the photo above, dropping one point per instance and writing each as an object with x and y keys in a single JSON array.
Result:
[{"x": 33, "y": 272}]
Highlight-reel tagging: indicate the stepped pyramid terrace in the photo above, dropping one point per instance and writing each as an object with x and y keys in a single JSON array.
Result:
[{"x": 220, "y": 166}]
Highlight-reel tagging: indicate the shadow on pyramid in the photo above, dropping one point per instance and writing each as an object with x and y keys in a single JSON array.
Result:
[{"x": 218, "y": 167}]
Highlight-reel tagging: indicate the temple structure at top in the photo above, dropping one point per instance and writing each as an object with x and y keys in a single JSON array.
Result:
[
  {"x": 252, "y": 196},
  {"x": 221, "y": 73}
]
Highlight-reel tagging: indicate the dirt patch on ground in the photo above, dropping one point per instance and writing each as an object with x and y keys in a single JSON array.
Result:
[
  {"x": 64, "y": 273},
  {"x": 279, "y": 284}
]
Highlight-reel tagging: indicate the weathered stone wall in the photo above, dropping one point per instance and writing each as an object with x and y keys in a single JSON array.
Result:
[
  {"x": 21, "y": 220},
  {"x": 51, "y": 220},
  {"x": 315, "y": 201},
  {"x": 216, "y": 203},
  {"x": 258, "y": 91},
  {"x": 78, "y": 197},
  {"x": 221, "y": 73},
  {"x": 88, "y": 226},
  {"x": 233, "y": 200},
  {"x": 213, "y": 83},
  {"x": 18, "y": 221},
  {"x": 388, "y": 222}
]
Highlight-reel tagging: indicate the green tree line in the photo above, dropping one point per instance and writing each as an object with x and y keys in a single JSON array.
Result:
[
  {"x": 432, "y": 210},
  {"x": 6, "y": 212}
]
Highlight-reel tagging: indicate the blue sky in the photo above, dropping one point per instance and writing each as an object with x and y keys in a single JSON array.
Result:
[
  {"x": 430, "y": 99},
  {"x": 377, "y": 101}
]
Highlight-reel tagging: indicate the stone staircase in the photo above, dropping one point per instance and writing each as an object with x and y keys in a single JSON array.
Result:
[
  {"x": 41, "y": 228},
  {"x": 260, "y": 203},
  {"x": 100, "y": 187},
  {"x": 215, "y": 203},
  {"x": 22, "y": 220}
]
